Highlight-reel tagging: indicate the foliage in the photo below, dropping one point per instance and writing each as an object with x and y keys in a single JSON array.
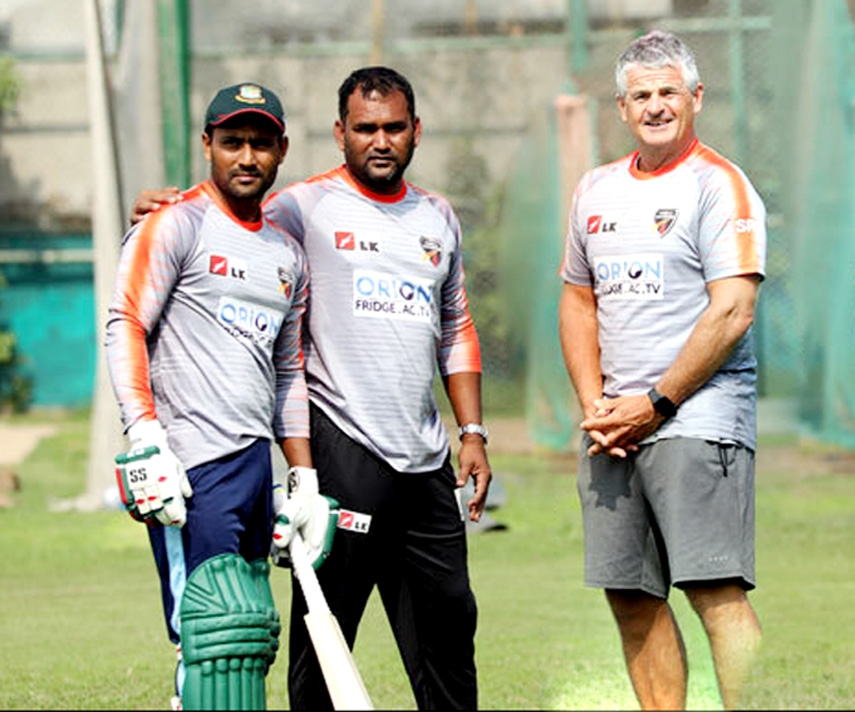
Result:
[
  {"x": 86, "y": 583},
  {"x": 16, "y": 388},
  {"x": 9, "y": 84}
]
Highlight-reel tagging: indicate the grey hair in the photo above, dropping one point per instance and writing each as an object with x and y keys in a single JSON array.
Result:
[{"x": 655, "y": 50}]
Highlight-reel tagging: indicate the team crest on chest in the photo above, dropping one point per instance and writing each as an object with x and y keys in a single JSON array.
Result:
[
  {"x": 286, "y": 282},
  {"x": 431, "y": 250},
  {"x": 664, "y": 220}
]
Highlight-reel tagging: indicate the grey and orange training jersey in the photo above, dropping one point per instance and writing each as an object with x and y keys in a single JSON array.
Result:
[
  {"x": 648, "y": 244},
  {"x": 204, "y": 328},
  {"x": 388, "y": 305}
]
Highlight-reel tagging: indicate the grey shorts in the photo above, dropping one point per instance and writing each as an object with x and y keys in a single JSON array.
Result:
[{"x": 677, "y": 511}]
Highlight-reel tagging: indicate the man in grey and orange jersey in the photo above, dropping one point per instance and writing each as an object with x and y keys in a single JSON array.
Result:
[
  {"x": 203, "y": 343},
  {"x": 388, "y": 306},
  {"x": 665, "y": 253}
]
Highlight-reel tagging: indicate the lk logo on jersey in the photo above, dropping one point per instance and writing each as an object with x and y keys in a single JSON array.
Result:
[
  {"x": 347, "y": 241},
  {"x": 598, "y": 224},
  {"x": 664, "y": 220},
  {"x": 227, "y": 267}
]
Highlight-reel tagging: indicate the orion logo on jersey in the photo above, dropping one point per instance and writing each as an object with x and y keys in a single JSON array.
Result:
[
  {"x": 386, "y": 296},
  {"x": 227, "y": 267},
  {"x": 597, "y": 224},
  {"x": 248, "y": 320},
  {"x": 664, "y": 220},
  {"x": 636, "y": 277}
]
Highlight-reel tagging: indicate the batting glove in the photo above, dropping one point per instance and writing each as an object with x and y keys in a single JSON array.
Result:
[
  {"x": 151, "y": 479},
  {"x": 298, "y": 507}
]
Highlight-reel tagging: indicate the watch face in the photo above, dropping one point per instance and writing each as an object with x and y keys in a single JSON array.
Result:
[{"x": 662, "y": 405}]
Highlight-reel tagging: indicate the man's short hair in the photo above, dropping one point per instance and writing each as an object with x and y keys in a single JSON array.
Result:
[
  {"x": 655, "y": 50},
  {"x": 380, "y": 79}
]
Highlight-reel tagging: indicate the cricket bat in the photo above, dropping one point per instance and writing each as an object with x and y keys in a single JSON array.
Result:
[{"x": 344, "y": 682}]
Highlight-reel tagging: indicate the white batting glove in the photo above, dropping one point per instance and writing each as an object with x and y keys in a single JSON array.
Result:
[
  {"x": 298, "y": 507},
  {"x": 151, "y": 479}
]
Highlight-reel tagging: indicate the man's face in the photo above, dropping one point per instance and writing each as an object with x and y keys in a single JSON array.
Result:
[
  {"x": 378, "y": 138},
  {"x": 245, "y": 154},
  {"x": 660, "y": 112}
]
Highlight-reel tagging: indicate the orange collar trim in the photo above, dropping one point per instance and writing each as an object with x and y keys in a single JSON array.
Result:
[
  {"x": 348, "y": 177},
  {"x": 667, "y": 168},
  {"x": 214, "y": 194}
]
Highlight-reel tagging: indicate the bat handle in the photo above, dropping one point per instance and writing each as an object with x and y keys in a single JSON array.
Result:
[{"x": 305, "y": 574}]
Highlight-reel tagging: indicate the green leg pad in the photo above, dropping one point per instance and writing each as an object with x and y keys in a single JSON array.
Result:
[{"x": 229, "y": 634}]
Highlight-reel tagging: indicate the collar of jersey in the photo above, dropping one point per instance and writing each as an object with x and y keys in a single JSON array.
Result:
[
  {"x": 667, "y": 168},
  {"x": 214, "y": 194},
  {"x": 347, "y": 176}
]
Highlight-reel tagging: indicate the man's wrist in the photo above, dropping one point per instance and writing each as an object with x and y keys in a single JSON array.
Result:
[
  {"x": 150, "y": 431},
  {"x": 662, "y": 404},
  {"x": 473, "y": 428}
]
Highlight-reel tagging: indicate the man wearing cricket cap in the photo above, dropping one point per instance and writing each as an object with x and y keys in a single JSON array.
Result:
[{"x": 203, "y": 343}]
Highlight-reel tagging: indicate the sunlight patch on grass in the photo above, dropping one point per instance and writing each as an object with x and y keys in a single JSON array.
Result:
[
  {"x": 602, "y": 693},
  {"x": 614, "y": 692}
]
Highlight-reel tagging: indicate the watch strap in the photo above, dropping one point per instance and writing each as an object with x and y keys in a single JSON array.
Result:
[
  {"x": 662, "y": 404},
  {"x": 476, "y": 428}
]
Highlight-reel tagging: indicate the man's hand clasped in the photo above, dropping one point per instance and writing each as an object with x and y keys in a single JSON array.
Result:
[
  {"x": 152, "y": 481},
  {"x": 299, "y": 508},
  {"x": 617, "y": 425}
]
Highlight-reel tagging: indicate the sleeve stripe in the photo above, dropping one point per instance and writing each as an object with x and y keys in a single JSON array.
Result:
[{"x": 747, "y": 244}]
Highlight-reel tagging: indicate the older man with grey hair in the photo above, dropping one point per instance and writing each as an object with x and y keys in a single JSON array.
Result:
[{"x": 665, "y": 253}]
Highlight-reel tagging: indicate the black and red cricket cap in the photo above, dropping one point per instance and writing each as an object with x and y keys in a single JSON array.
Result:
[{"x": 245, "y": 98}]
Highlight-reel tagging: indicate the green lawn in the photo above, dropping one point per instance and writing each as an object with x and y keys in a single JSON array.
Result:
[{"x": 81, "y": 627}]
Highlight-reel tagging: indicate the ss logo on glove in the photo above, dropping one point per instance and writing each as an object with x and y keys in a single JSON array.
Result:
[{"x": 137, "y": 475}]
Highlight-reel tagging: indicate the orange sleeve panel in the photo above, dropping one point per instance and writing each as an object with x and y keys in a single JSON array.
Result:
[
  {"x": 744, "y": 219},
  {"x": 137, "y": 301}
]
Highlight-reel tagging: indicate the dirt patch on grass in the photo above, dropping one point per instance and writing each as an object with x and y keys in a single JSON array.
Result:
[
  {"x": 18, "y": 441},
  {"x": 805, "y": 458}
]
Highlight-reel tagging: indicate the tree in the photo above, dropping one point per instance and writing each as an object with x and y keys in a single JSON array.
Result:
[
  {"x": 9, "y": 85},
  {"x": 16, "y": 389}
]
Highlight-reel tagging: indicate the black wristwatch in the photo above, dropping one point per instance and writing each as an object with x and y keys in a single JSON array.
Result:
[{"x": 661, "y": 404}]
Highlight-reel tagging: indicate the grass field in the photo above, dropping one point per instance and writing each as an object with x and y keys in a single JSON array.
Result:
[{"x": 81, "y": 626}]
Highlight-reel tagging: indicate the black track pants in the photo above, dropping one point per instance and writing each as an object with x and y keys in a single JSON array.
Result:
[{"x": 414, "y": 551}]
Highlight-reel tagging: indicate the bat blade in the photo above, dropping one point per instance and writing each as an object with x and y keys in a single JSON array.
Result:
[
  {"x": 344, "y": 682},
  {"x": 347, "y": 691}
]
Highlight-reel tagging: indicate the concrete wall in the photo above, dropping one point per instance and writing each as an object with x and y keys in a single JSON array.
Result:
[{"x": 485, "y": 96}]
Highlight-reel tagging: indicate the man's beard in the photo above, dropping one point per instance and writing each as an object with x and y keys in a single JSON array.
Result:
[
  {"x": 379, "y": 184},
  {"x": 254, "y": 192}
]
